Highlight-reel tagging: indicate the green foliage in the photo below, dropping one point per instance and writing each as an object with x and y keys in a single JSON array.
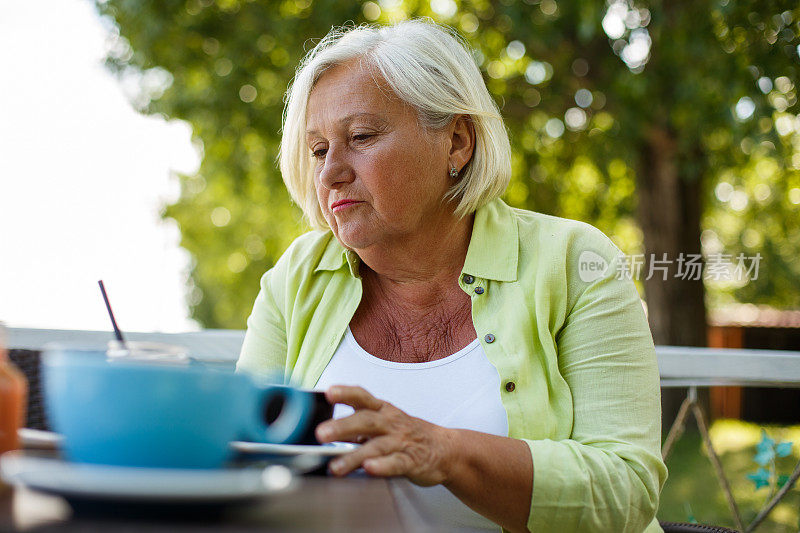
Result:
[
  {"x": 692, "y": 490},
  {"x": 760, "y": 478},
  {"x": 579, "y": 107},
  {"x": 766, "y": 453},
  {"x": 229, "y": 63}
]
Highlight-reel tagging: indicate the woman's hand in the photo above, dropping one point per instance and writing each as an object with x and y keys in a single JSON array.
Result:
[{"x": 394, "y": 443}]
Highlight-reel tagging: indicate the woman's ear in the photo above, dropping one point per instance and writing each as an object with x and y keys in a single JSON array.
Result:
[{"x": 462, "y": 141}]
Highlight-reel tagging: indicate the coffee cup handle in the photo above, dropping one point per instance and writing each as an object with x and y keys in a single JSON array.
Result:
[{"x": 290, "y": 424}]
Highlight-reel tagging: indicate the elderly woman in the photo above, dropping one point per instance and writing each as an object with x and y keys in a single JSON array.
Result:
[{"x": 474, "y": 352}]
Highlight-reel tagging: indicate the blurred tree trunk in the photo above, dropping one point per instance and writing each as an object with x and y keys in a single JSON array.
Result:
[{"x": 669, "y": 212}]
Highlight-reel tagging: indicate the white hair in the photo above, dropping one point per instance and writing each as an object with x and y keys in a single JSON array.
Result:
[{"x": 429, "y": 67}]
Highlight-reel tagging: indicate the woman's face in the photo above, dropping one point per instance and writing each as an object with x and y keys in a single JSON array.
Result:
[{"x": 379, "y": 175}]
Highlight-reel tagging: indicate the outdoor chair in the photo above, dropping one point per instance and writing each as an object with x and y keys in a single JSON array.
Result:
[
  {"x": 684, "y": 527},
  {"x": 28, "y": 361}
]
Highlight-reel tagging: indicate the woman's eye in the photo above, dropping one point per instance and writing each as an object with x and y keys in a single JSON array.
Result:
[
  {"x": 319, "y": 153},
  {"x": 361, "y": 136}
]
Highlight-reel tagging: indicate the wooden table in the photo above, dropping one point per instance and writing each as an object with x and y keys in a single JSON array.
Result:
[{"x": 319, "y": 504}]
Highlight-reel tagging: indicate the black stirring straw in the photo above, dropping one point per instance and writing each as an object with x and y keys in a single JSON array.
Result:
[{"x": 117, "y": 331}]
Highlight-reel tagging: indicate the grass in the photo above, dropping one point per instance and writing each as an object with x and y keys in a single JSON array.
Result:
[{"x": 692, "y": 489}]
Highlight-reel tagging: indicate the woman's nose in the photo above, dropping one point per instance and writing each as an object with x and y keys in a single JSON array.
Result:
[{"x": 336, "y": 169}]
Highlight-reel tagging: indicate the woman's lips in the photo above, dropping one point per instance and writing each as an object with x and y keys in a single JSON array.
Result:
[{"x": 343, "y": 204}]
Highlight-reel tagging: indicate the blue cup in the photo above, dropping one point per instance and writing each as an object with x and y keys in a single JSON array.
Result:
[{"x": 169, "y": 412}]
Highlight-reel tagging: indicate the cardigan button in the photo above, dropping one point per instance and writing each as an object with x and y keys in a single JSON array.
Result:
[
  {"x": 489, "y": 338},
  {"x": 478, "y": 290},
  {"x": 469, "y": 280},
  {"x": 510, "y": 386}
]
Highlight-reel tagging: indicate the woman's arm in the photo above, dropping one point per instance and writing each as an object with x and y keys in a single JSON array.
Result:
[
  {"x": 264, "y": 348},
  {"x": 490, "y": 474},
  {"x": 607, "y": 475}
]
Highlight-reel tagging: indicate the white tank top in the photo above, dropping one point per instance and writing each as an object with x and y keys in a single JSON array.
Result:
[{"x": 460, "y": 391}]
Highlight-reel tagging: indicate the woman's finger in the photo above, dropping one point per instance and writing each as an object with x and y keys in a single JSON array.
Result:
[
  {"x": 376, "y": 447},
  {"x": 353, "y": 428},
  {"x": 394, "y": 464},
  {"x": 356, "y": 397}
]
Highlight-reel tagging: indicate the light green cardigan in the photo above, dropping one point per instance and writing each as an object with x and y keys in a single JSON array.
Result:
[{"x": 578, "y": 372}]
